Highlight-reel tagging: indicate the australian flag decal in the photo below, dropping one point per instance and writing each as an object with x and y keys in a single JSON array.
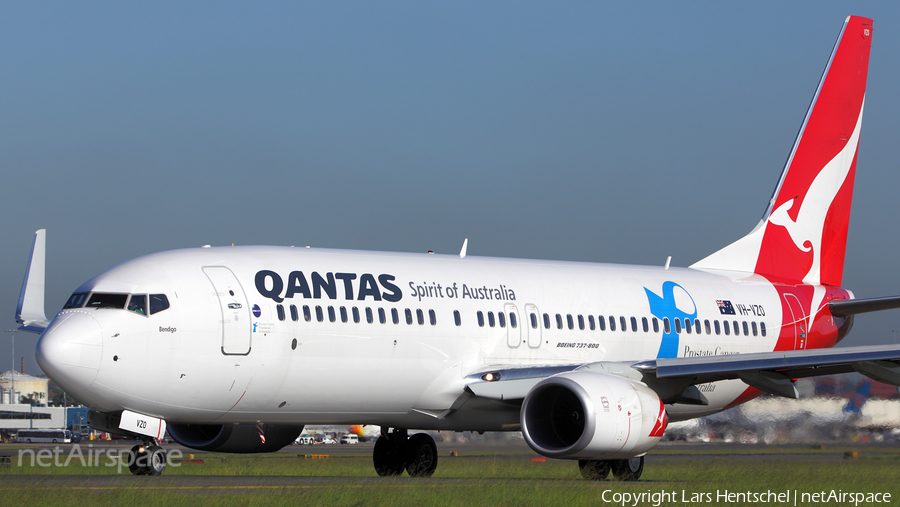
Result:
[{"x": 725, "y": 307}]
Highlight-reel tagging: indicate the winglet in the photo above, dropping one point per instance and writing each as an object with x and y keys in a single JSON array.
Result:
[
  {"x": 30, "y": 312},
  {"x": 462, "y": 253}
]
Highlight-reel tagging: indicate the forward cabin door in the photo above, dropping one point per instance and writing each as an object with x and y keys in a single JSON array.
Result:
[{"x": 235, "y": 314}]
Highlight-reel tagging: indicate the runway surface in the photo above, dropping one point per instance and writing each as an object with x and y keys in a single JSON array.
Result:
[{"x": 200, "y": 481}]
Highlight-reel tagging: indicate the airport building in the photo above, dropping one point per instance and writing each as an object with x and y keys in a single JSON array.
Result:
[{"x": 14, "y": 386}]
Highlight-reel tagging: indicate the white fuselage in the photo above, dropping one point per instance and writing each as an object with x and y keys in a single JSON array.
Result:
[{"x": 220, "y": 353}]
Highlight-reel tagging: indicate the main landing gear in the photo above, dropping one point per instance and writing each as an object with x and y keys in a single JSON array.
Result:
[
  {"x": 623, "y": 469},
  {"x": 147, "y": 459},
  {"x": 395, "y": 451}
]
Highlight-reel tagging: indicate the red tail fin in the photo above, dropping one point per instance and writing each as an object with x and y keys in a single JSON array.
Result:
[{"x": 803, "y": 233}]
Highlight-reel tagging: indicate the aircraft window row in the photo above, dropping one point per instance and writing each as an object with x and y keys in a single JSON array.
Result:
[
  {"x": 345, "y": 316},
  {"x": 143, "y": 304},
  {"x": 501, "y": 319},
  {"x": 687, "y": 325}
]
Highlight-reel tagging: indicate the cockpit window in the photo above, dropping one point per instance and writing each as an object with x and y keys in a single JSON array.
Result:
[
  {"x": 100, "y": 300},
  {"x": 158, "y": 303},
  {"x": 138, "y": 304},
  {"x": 76, "y": 300}
]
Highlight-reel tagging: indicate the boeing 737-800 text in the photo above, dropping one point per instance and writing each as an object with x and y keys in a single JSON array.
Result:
[{"x": 234, "y": 349}]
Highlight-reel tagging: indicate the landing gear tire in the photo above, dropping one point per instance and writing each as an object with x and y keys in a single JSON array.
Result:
[
  {"x": 389, "y": 456},
  {"x": 137, "y": 456},
  {"x": 147, "y": 460},
  {"x": 156, "y": 460},
  {"x": 628, "y": 469},
  {"x": 423, "y": 456},
  {"x": 594, "y": 469}
]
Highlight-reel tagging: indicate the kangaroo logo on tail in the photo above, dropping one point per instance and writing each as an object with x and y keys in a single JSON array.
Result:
[{"x": 802, "y": 236}]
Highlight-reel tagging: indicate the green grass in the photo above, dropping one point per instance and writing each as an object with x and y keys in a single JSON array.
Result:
[{"x": 499, "y": 477}]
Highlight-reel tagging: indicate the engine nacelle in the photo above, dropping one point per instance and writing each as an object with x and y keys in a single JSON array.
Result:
[
  {"x": 587, "y": 415},
  {"x": 235, "y": 438}
]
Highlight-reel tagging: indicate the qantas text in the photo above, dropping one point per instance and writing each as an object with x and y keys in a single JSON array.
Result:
[{"x": 271, "y": 285}]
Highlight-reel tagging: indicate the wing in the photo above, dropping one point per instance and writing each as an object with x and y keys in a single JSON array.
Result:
[
  {"x": 30, "y": 310},
  {"x": 674, "y": 379}
]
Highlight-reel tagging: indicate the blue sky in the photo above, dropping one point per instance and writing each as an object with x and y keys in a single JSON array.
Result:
[{"x": 613, "y": 132}]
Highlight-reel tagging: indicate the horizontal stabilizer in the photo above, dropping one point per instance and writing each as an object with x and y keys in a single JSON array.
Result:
[{"x": 854, "y": 306}]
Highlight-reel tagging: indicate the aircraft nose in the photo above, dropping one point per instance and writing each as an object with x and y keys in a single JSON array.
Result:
[{"x": 69, "y": 351}]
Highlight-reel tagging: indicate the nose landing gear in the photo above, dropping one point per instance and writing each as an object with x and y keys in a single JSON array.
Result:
[
  {"x": 147, "y": 459},
  {"x": 396, "y": 451}
]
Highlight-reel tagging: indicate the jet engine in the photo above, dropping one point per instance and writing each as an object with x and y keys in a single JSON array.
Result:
[
  {"x": 587, "y": 415},
  {"x": 235, "y": 438}
]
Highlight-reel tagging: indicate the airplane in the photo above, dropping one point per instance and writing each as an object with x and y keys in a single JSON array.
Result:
[{"x": 235, "y": 349}]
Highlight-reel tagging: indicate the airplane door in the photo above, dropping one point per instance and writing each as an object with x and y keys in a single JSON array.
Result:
[
  {"x": 513, "y": 330},
  {"x": 235, "y": 315},
  {"x": 798, "y": 318},
  {"x": 533, "y": 324}
]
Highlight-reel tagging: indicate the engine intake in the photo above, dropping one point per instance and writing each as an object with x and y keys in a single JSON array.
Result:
[{"x": 589, "y": 415}]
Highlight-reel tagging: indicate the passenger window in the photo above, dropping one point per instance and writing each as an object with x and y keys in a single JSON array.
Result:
[
  {"x": 158, "y": 303},
  {"x": 420, "y": 317},
  {"x": 306, "y": 316},
  {"x": 716, "y": 324},
  {"x": 697, "y": 328},
  {"x": 645, "y": 325},
  {"x": 343, "y": 314},
  {"x": 687, "y": 325},
  {"x": 137, "y": 304},
  {"x": 534, "y": 322},
  {"x": 409, "y": 317},
  {"x": 725, "y": 327},
  {"x": 331, "y": 314},
  {"x": 502, "y": 318},
  {"x": 634, "y": 324},
  {"x": 546, "y": 321},
  {"x": 512, "y": 320},
  {"x": 570, "y": 322},
  {"x": 356, "y": 315},
  {"x": 622, "y": 326},
  {"x": 737, "y": 330},
  {"x": 295, "y": 316},
  {"x": 432, "y": 317},
  {"x": 457, "y": 318},
  {"x": 319, "y": 316},
  {"x": 491, "y": 319},
  {"x": 76, "y": 300},
  {"x": 706, "y": 325},
  {"x": 666, "y": 325},
  {"x": 382, "y": 318},
  {"x": 746, "y": 330},
  {"x": 677, "y": 326},
  {"x": 612, "y": 323},
  {"x": 655, "y": 325},
  {"x": 395, "y": 316},
  {"x": 591, "y": 322},
  {"x": 753, "y": 326},
  {"x": 762, "y": 328},
  {"x": 369, "y": 316},
  {"x": 559, "y": 324},
  {"x": 280, "y": 310},
  {"x": 480, "y": 318},
  {"x": 602, "y": 322},
  {"x": 581, "y": 322}
]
